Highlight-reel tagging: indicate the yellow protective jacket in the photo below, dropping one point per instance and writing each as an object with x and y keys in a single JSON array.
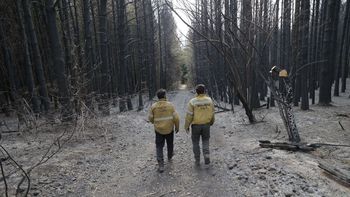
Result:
[
  {"x": 200, "y": 110},
  {"x": 164, "y": 117}
]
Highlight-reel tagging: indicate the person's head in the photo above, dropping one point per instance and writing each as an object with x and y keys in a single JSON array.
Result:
[
  {"x": 161, "y": 94},
  {"x": 200, "y": 89}
]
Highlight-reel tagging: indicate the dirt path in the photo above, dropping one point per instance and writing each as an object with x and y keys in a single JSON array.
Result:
[{"x": 120, "y": 161}]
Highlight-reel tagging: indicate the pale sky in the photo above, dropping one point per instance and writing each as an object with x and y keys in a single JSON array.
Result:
[{"x": 183, "y": 8}]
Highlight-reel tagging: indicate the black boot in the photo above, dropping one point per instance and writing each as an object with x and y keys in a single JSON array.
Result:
[
  {"x": 161, "y": 167},
  {"x": 197, "y": 162},
  {"x": 206, "y": 160}
]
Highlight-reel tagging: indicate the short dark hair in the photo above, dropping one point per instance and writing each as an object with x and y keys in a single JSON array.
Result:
[
  {"x": 200, "y": 89},
  {"x": 161, "y": 93}
]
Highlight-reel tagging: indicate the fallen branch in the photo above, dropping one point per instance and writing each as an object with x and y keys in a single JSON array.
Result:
[
  {"x": 217, "y": 112},
  {"x": 10, "y": 131},
  {"x": 317, "y": 145},
  {"x": 286, "y": 146},
  {"x": 343, "y": 115},
  {"x": 150, "y": 194},
  {"x": 295, "y": 146},
  {"x": 222, "y": 108},
  {"x": 48, "y": 156},
  {"x": 337, "y": 173},
  {"x": 341, "y": 126},
  {"x": 3, "y": 176},
  {"x": 26, "y": 176}
]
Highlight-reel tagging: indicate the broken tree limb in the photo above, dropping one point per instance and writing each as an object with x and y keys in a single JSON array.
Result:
[
  {"x": 222, "y": 108},
  {"x": 295, "y": 146},
  {"x": 286, "y": 146},
  {"x": 340, "y": 174},
  {"x": 317, "y": 145},
  {"x": 343, "y": 115},
  {"x": 341, "y": 126}
]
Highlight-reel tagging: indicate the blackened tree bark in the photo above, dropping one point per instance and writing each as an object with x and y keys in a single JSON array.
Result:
[
  {"x": 162, "y": 76},
  {"x": 304, "y": 32},
  {"x": 345, "y": 62},
  {"x": 342, "y": 49},
  {"x": 122, "y": 52},
  {"x": 147, "y": 43},
  {"x": 37, "y": 61},
  {"x": 58, "y": 60},
  {"x": 297, "y": 38},
  {"x": 285, "y": 40},
  {"x": 314, "y": 44},
  {"x": 152, "y": 48},
  {"x": 89, "y": 52},
  {"x": 105, "y": 78},
  {"x": 27, "y": 62},
  {"x": 96, "y": 73},
  {"x": 328, "y": 50},
  {"x": 11, "y": 68},
  {"x": 274, "y": 45},
  {"x": 140, "y": 51}
]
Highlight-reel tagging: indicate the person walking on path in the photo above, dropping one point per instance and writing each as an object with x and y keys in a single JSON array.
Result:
[
  {"x": 200, "y": 116},
  {"x": 164, "y": 118}
]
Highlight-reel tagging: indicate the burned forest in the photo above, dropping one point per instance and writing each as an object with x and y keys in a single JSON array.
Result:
[{"x": 92, "y": 90}]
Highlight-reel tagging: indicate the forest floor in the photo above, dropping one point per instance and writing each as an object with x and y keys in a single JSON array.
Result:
[{"x": 115, "y": 156}]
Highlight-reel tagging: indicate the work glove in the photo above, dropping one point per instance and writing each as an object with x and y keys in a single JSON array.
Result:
[
  {"x": 176, "y": 131},
  {"x": 188, "y": 130}
]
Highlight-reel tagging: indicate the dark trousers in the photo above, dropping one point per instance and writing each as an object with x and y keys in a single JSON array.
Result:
[
  {"x": 200, "y": 131},
  {"x": 160, "y": 141}
]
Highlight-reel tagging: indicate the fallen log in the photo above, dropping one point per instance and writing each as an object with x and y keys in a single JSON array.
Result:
[
  {"x": 222, "y": 108},
  {"x": 286, "y": 146},
  {"x": 296, "y": 146},
  {"x": 341, "y": 126},
  {"x": 9, "y": 131},
  {"x": 337, "y": 173}
]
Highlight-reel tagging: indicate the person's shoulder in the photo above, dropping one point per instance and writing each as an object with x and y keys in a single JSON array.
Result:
[
  {"x": 208, "y": 98},
  {"x": 154, "y": 105},
  {"x": 193, "y": 100},
  {"x": 170, "y": 104}
]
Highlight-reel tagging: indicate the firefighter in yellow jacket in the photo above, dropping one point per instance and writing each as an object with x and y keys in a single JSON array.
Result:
[
  {"x": 164, "y": 117},
  {"x": 200, "y": 116}
]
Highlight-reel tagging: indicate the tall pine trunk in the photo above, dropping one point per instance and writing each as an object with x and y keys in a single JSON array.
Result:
[
  {"x": 37, "y": 61},
  {"x": 304, "y": 32},
  {"x": 58, "y": 61},
  {"x": 328, "y": 50},
  {"x": 30, "y": 83},
  {"x": 105, "y": 79},
  {"x": 122, "y": 53},
  {"x": 89, "y": 52}
]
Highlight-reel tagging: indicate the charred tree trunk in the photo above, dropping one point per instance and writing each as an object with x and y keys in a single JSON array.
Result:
[
  {"x": 89, "y": 52},
  {"x": 297, "y": 39},
  {"x": 122, "y": 53},
  {"x": 346, "y": 32},
  {"x": 304, "y": 32},
  {"x": 105, "y": 78},
  {"x": 328, "y": 51},
  {"x": 314, "y": 44},
  {"x": 11, "y": 68},
  {"x": 30, "y": 83},
  {"x": 58, "y": 60},
  {"x": 37, "y": 61},
  {"x": 275, "y": 46}
]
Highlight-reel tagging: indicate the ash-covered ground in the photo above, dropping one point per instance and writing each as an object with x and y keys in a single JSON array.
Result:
[{"x": 115, "y": 156}]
